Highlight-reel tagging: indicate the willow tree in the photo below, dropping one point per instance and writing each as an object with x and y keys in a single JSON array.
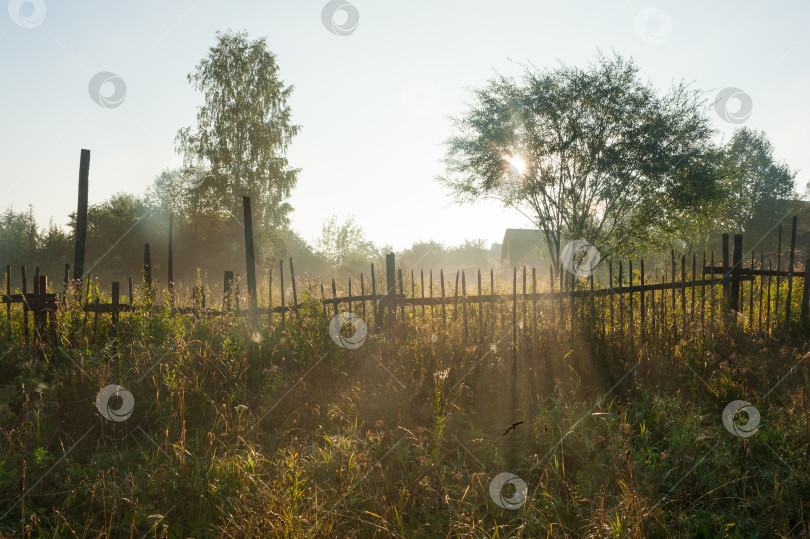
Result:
[
  {"x": 591, "y": 153},
  {"x": 242, "y": 133}
]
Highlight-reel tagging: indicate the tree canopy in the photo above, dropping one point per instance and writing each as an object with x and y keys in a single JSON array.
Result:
[
  {"x": 243, "y": 131},
  {"x": 591, "y": 153}
]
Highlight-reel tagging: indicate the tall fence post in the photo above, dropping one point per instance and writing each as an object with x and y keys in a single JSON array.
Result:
[
  {"x": 81, "y": 215},
  {"x": 250, "y": 258}
]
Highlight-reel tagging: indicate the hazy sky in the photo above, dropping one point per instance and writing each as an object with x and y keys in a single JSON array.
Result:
[{"x": 373, "y": 104}]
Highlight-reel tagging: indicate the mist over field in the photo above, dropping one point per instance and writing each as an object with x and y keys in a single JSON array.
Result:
[{"x": 346, "y": 269}]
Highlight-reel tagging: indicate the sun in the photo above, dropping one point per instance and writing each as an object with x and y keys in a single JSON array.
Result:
[{"x": 516, "y": 165}]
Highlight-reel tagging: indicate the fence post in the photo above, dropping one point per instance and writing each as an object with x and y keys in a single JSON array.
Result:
[
  {"x": 725, "y": 269},
  {"x": 8, "y": 299},
  {"x": 736, "y": 261},
  {"x": 391, "y": 284},
  {"x": 171, "y": 259},
  {"x": 228, "y": 291},
  {"x": 147, "y": 270},
  {"x": 805, "y": 293},
  {"x": 81, "y": 215},
  {"x": 250, "y": 259},
  {"x": 294, "y": 289},
  {"x": 790, "y": 269},
  {"x": 116, "y": 295}
]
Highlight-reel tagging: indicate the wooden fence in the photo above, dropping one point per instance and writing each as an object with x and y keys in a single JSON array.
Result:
[
  {"x": 637, "y": 301},
  {"x": 684, "y": 298}
]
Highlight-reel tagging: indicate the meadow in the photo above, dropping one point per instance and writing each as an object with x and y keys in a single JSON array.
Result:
[{"x": 258, "y": 431}]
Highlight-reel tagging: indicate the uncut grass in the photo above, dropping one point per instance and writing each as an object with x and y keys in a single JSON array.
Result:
[{"x": 287, "y": 435}]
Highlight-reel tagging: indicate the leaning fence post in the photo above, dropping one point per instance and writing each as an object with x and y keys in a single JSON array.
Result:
[
  {"x": 294, "y": 290},
  {"x": 81, "y": 216}
]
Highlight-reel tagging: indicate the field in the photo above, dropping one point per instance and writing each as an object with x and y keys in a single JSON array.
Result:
[{"x": 241, "y": 431}]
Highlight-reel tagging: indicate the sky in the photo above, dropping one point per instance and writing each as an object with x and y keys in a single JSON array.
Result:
[{"x": 374, "y": 99}]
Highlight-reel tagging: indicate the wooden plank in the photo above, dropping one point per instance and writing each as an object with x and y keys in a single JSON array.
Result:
[
  {"x": 250, "y": 260},
  {"x": 432, "y": 311},
  {"x": 323, "y": 301},
  {"x": 227, "y": 291},
  {"x": 621, "y": 302},
  {"x": 81, "y": 216},
  {"x": 534, "y": 304},
  {"x": 422, "y": 288},
  {"x": 377, "y": 321},
  {"x": 464, "y": 304},
  {"x": 391, "y": 287},
  {"x": 778, "y": 280},
  {"x": 281, "y": 289},
  {"x": 115, "y": 305},
  {"x": 171, "y": 260},
  {"x": 761, "y": 288},
  {"x": 768, "y": 313},
  {"x": 788, "y": 303},
  {"x": 514, "y": 319},
  {"x": 726, "y": 281},
  {"x": 612, "y": 293},
  {"x": 492, "y": 299},
  {"x": 270, "y": 299},
  {"x": 674, "y": 306},
  {"x": 683, "y": 293},
  {"x": 703, "y": 298},
  {"x": 444, "y": 310},
  {"x": 455, "y": 297},
  {"x": 8, "y": 305},
  {"x": 642, "y": 308},
  {"x": 805, "y": 295},
  {"x": 334, "y": 295},
  {"x": 363, "y": 293},
  {"x": 711, "y": 301},
  {"x": 736, "y": 262},
  {"x": 25, "y": 305},
  {"x": 294, "y": 289},
  {"x": 66, "y": 285},
  {"x": 751, "y": 295},
  {"x": 401, "y": 293},
  {"x": 630, "y": 280},
  {"x": 551, "y": 281},
  {"x": 147, "y": 270},
  {"x": 480, "y": 308}
]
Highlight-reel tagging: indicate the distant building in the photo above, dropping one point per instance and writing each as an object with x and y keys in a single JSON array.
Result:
[{"x": 522, "y": 246}]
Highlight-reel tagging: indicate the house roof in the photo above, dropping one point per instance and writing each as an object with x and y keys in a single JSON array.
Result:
[{"x": 517, "y": 239}]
